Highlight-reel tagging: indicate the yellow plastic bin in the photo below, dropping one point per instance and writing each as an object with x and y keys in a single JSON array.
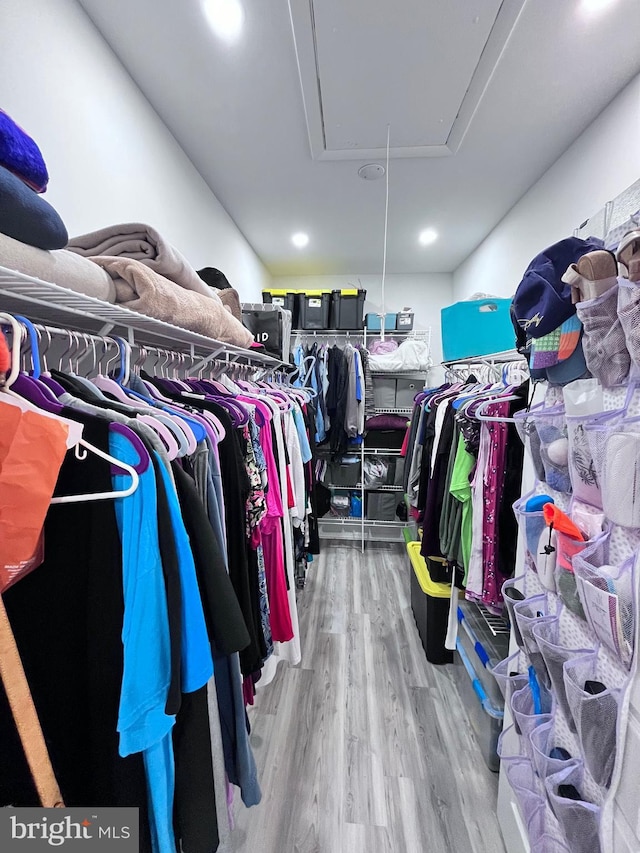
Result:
[{"x": 430, "y": 605}]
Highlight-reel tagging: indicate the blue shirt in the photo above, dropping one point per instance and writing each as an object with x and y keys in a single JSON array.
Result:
[
  {"x": 142, "y": 723},
  {"x": 197, "y": 664}
]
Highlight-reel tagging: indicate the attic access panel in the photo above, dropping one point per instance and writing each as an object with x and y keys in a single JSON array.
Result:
[{"x": 420, "y": 65}]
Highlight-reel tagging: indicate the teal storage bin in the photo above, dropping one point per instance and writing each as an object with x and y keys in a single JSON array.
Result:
[
  {"x": 374, "y": 324},
  {"x": 477, "y": 327}
]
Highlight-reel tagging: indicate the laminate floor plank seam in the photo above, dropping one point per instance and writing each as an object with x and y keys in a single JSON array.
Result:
[{"x": 365, "y": 747}]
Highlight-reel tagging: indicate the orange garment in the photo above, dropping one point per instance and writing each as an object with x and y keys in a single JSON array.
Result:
[
  {"x": 32, "y": 448},
  {"x": 570, "y": 540}
]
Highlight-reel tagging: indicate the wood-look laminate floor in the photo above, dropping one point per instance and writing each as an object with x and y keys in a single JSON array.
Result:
[{"x": 364, "y": 747}]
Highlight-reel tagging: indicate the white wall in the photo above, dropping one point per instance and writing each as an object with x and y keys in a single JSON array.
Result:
[
  {"x": 110, "y": 157},
  {"x": 425, "y": 293},
  {"x": 600, "y": 164}
]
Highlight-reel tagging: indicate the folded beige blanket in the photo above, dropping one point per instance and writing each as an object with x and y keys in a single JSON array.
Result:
[
  {"x": 142, "y": 289},
  {"x": 142, "y": 243},
  {"x": 231, "y": 301},
  {"x": 60, "y": 267}
]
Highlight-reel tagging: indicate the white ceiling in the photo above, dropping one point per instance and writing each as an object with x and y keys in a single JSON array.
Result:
[{"x": 482, "y": 97}]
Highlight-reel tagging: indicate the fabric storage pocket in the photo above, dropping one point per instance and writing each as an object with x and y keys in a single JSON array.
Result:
[
  {"x": 621, "y": 474},
  {"x": 555, "y": 656},
  {"x": 550, "y": 427},
  {"x": 539, "y": 540},
  {"x": 595, "y": 715},
  {"x": 510, "y": 675},
  {"x": 511, "y": 595},
  {"x": 529, "y": 795},
  {"x": 629, "y": 314},
  {"x": 549, "y": 844},
  {"x": 525, "y": 718},
  {"x": 585, "y": 471},
  {"x": 606, "y": 592},
  {"x": 528, "y": 613},
  {"x": 578, "y": 819},
  {"x": 543, "y": 744},
  {"x": 566, "y": 585}
]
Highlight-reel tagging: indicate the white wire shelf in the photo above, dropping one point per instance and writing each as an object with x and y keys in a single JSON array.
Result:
[
  {"x": 368, "y": 522},
  {"x": 382, "y": 451},
  {"x": 45, "y": 302},
  {"x": 402, "y": 411},
  {"x": 402, "y": 374},
  {"x": 358, "y": 487}
]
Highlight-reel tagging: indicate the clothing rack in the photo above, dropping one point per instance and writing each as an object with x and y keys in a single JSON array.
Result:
[
  {"x": 459, "y": 369},
  {"x": 365, "y": 335},
  {"x": 60, "y": 346},
  {"x": 48, "y": 303}
]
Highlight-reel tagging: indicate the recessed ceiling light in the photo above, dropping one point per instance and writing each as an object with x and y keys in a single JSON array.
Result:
[
  {"x": 428, "y": 236},
  {"x": 300, "y": 240},
  {"x": 225, "y": 17},
  {"x": 593, "y": 7}
]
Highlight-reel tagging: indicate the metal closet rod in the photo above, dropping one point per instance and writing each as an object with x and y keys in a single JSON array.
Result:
[{"x": 179, "y": 362}]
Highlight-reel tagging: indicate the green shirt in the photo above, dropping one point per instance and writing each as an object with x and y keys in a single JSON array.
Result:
[{"x": 460, "y": 488}]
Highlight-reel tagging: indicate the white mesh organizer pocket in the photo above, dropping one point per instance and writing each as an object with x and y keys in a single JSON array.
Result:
[
  {"x": 629, "y": 314},
  {"x": 550, "y": 427},
  {"x": 543, "y": 743},
  {"x": 527, "y": 614},
  {"x": 595, "y": 715},
  {"x": 585, "y": 463},
  {"x": 566, "y": 586},
  {"x": 511, "y": 593},
  {"x": 511, "y": 674},
  {"x": 525, "y": 717},
  {"x": 555, "y": 656},
  {"x": 606, "y": 592},
  {"x": 529, "y": 795},
  {"x": 540, "y": 541},
  {"x": 621, "y": 474},
  {"x": 578, "y": 819},
  {"x": 549, "y": 844}
]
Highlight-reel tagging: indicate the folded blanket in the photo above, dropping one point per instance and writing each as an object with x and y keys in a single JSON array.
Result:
[
  {"x": 27, "y": 217},
  {"x": 20, "y": 154},
  {"x": 141, "y": 289},
  {"x": 231, "y": 301},
  {"x": 61, "y": 267},
  {"x": 141, "y": 243}
]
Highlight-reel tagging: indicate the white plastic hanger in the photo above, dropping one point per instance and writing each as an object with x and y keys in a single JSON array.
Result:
[{"x": 75, "y": 431}]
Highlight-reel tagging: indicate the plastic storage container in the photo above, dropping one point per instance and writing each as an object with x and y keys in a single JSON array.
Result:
[
  {"x": 286, "y": 299},
  {"x": 430, "y": 605},
  {"x": 477, "y": 327},
  {"x": 314, "y": 310},
  {"x": 404, "y": 322},
  {"x": 484, "y": 649},
  {"x": 486, "y": 720},
  {"x": 347, "y": 309},
  {"x": 374, "y": 322}
]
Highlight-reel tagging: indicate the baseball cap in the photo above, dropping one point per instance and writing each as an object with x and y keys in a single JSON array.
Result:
[
  {"x": 557, "y": 346},
  {"x": 542, "y": 301}
]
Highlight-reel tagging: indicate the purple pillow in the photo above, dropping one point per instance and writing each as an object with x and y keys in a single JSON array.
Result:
[{"x": 387, "y": 422}]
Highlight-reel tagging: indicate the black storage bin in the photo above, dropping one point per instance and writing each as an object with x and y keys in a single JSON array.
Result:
[
  {"x": 288, "y": 301},
  {"x": 314, "y": 310},
  {"x": 391, "y": 439},
  {"x": 431, "y": 614},
  {"x": 347, "y": 309}
]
